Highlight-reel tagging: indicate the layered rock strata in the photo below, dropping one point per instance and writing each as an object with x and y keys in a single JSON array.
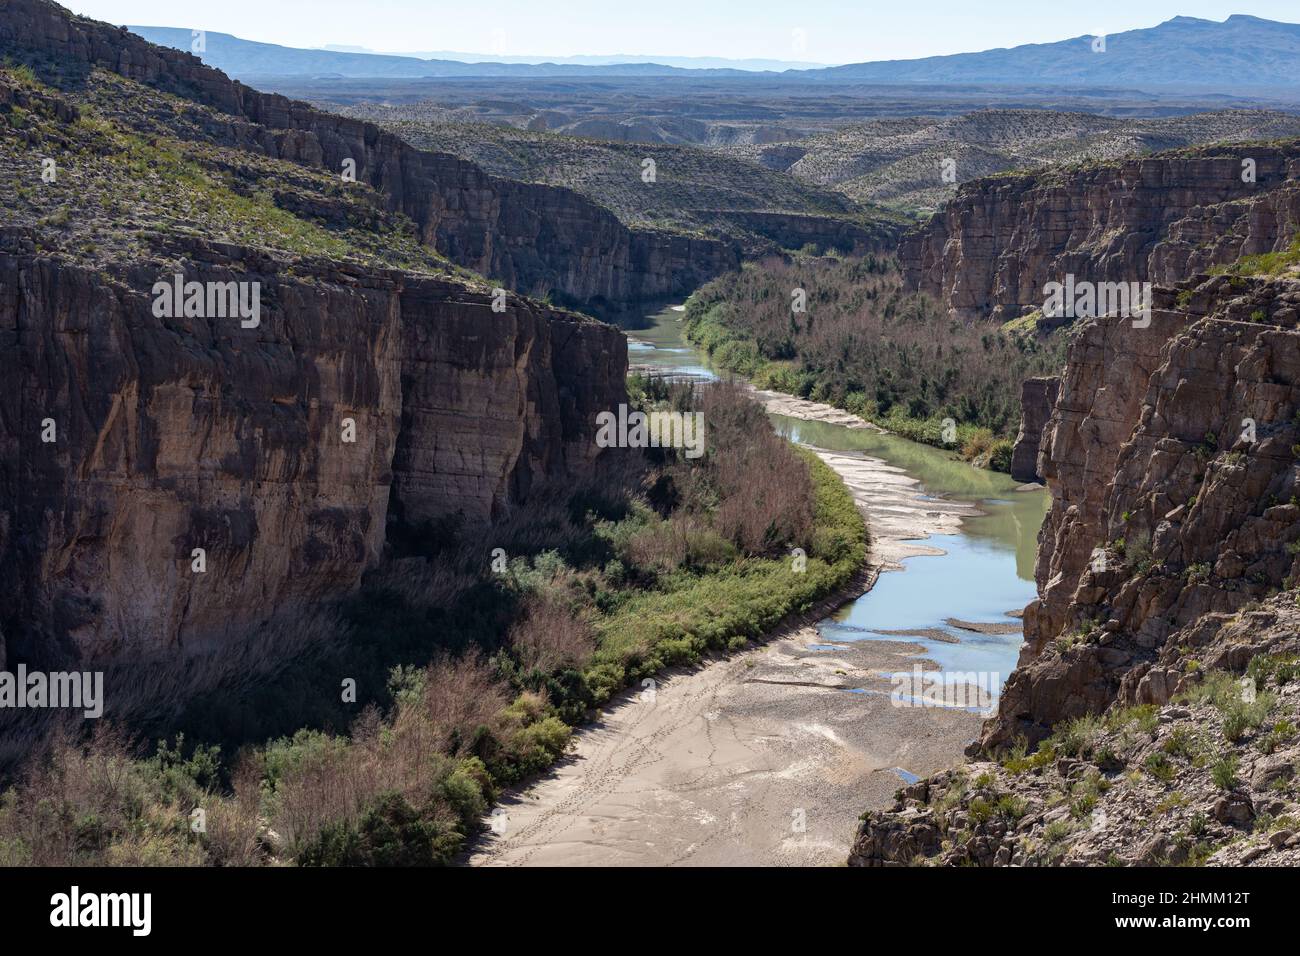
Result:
[
  {"x": 363, "y": 402},
  {"x": 990, "y": 251}
]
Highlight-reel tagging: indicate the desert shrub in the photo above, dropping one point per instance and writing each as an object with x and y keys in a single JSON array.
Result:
[
  {"x": 1145, "y": 716},
  {"x": 91, "y": 802},
  {"x": 705, "y": 548},
  {"x": 980, "y": 810},
  {"x": 765, "y": 496},
  {"x": 1078, "y": 736},
  {"x": 1181, "y": 742},
  {"x": 551, "y": 635},
  {"x": 1224, "y": 773},
  {"x": 1242, "y": 716},
  {"x": 659, "y": 548},
  {"x": 1160, "y": 766},
  {"x": 1056, "y": 831},
  {"x": 1011, "y": 808},
  {"x": 532, "y": 748},
  {"x": 391, "y": 832}
]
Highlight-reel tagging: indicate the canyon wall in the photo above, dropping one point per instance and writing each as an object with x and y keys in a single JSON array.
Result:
[
  {"x": 786, "y": 230},
  {"x": 1167, "y": 574},
  {"x": 1160, "y": 218},
  {"x": 128, "y": 440},
  {"x": 536, "y": 239},
  {"x": 1171, "y": 457},
  {"x": 1037, "y": 397}
]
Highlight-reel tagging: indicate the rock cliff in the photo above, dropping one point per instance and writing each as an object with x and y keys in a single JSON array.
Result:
[
  {"x": 536, "y": 239},
  {"x": 1037, "y": 396},
  {"x": 1171, "y": 460},
  {"x": 127, "y": 440},
  {"x": 1167, "y": 566},
  {"x": 170, "y": 482},
  {"x": 1159, "y": 218}
]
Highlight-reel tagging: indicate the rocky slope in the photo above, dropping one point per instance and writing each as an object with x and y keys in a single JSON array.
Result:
[
  {"x": 536, "y": 239},
  {"x": 900, "y": 162},
  {"x": 694, "y": 190},
  {"x": 377, "y": 393},
  {"x": 990, "y": 251},
  {"x": 1167, "y": 567}
]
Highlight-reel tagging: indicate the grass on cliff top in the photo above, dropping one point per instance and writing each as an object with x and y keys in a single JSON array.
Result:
[
  {"x": 136, "y": 164},
  {"x": 1283, "y": 262}
]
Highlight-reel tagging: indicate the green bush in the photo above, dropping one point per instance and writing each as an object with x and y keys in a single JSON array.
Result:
[
  {"x": 468, "y": 790},
  {"x": 391, "y": 833},
  {"x": 1160, "y": 766},
  {"x": 1224, "y": 773}
]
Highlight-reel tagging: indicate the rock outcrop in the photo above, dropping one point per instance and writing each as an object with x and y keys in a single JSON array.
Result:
[
  {"x": 1037, "y": 396},
  {"x": 1160, "y": 218},
  {"x": 1207, "y": 780},
  {"x": 364, "y": 402},
  {"x": 1170, "y": 457},
  {"x": 539, "y": 240},
  {"x": 1168, "y": 565}
]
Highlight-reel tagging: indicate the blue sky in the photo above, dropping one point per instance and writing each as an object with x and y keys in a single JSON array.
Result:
[{"x": 833, "y": 31}]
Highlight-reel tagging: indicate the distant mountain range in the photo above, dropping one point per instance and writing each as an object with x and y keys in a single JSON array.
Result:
[
  {"x": 1241, "y": 54},
  {"x": 241, "y": 58},
  {"x": 616, "y": 59}
]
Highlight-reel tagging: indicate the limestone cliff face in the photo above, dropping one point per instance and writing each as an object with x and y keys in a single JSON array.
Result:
[
  {"x": 171, "y": 434},
  {"x": 1171, "y": 460},
  {"x": 536, "y": 239},
  {"x": 1037, "y": 396},
  {"x": 1167, "y": 567},
  {"x": 1160, "y": 218}
]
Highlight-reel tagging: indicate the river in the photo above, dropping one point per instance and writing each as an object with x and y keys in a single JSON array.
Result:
[
  {"x": 767, "y": 757},
  {"x": 983, "y": 570}
]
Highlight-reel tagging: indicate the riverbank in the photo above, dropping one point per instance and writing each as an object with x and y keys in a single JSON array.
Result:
[
  {"x": 768, "y": 756},
  {"x": 897, "y": 518},
  {"x": 765, "y": 757}
]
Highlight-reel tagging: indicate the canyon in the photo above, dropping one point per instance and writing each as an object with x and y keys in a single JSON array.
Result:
[
  {"x": 367, "y": 403},
  {"x": 1168, "y": 559},
  {"x": 432, "y": 351}
]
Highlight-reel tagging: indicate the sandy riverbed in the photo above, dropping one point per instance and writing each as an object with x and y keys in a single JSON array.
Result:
[{"x": 766, "y": 757}]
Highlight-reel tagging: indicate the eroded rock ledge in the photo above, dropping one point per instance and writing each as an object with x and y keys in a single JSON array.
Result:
[{"x": 1158, "y": 218}]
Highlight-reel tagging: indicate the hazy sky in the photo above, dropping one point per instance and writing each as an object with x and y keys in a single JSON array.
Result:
[{"x": 831, "y": 31}]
